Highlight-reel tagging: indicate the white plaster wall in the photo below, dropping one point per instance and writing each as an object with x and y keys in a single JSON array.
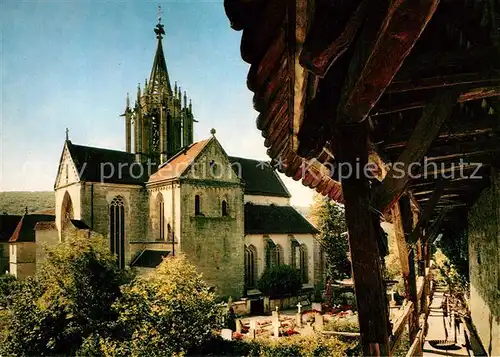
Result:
[
  {"x": 267, "y": 200},
  {"x": 257, "y": 240},
  {"x": 74, "y": 191}
]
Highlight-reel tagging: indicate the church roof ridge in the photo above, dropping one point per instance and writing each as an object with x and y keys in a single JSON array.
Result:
[{"x": 178, "y": 163}]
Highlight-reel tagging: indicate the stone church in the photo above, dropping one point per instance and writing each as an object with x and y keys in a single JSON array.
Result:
[{"x": 166, "y": 194}]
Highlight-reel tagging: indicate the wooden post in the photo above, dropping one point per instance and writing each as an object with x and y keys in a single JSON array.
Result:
[
  {"x": 363, "y": 241},
  {"x": 433, "y": 116},
  {"x": 406, "y": 218}
]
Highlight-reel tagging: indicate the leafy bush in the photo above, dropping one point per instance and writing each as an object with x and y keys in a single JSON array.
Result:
[
  {"x": 293, "y": 346},
  {"x": 329, "y": 218},
  {"x": 344, "y": 299},
  {"x": 447, "y": 273},
  {"x": 8, "y": 283},
  {"x": 342, "y": 325},
  {"x": 69, "y": 298},
  {"x": 169, "y": 311},
  {"x": 280, "y": 280}
]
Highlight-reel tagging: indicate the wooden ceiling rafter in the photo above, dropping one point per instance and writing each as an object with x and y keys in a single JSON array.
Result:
[{"x": 403, "y": 24}]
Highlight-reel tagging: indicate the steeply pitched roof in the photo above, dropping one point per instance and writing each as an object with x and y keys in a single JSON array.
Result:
[
  {"x": 178, "y": 163},
  {"x": 104, "y": 165},
  {"x": 275, "y": 219},
  {"x": 8, "y": 224},
  {"x": 150, "y": 258},
  {"x": 259, "y": 177},
  {"x": 25, "y": 230}
]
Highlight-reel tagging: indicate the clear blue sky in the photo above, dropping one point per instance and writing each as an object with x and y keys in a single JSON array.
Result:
[{"x": 71, "y": 63}]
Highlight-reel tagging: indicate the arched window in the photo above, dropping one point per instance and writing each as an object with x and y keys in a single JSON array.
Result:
[
  {"x": 224, "y": 208},
  {"x": 303, "y": 264},
  {"x": 117, "y": 229},
  {"x": 270, "y": 252},
  {"x": 279, "y": 255},
  {"x": 66, "y": 211},
  {"x": 161, "y": 213},
  {"x": 197, "y": 205},
  {"x": 250, "y": 266}
]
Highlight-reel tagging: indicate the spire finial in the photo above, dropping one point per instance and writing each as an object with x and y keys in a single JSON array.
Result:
[
  {"x": 159, "y": 31},
  {"x": 67, "y": 134},
  {"x": 190, "y": 106},
  {"x": 128, "y": 101},
  {"x": 212, "y": 131},
  {"x": 185, "y": 100},
  {"x": 159, "y": 13}
]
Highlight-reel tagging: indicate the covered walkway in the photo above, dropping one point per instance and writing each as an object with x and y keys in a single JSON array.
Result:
[{"x": 444, "y": 338}]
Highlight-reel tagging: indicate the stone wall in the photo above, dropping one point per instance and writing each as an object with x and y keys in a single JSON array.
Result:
[
  {"x": 212, "y": 242},
  {"x": 22, "y": 259},
  {"x": 46, "y": 236},
  {"x": 95, "y": 201},
  {"x": 484, "y": 267}
]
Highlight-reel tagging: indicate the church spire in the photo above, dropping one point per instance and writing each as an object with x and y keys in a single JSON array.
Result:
[{"x": 159, "y": 80}]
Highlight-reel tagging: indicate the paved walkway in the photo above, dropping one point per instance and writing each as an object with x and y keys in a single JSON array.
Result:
[{"x": 442, "y": 338}]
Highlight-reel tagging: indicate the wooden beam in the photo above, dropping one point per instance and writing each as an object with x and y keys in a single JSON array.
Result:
[
  {"x": 444, "y": 81},
  {"x": 427, "y": 213},
  {"x": 401, "y": 244},
  {"x": 459, "y": 126},
  {"x": 403, "y": 229},
  {"x": 433, "y": 230},
  {"x": 401, "y": 28},
  {"x": 468, "y": 95},
  {"x": 426, "y": 130},
  {"x": 364, "y": 236},
  {"x": 328, "y": 40}
]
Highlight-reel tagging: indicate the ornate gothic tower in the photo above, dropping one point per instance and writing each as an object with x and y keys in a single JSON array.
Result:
[{"x": 162, "y": 119}]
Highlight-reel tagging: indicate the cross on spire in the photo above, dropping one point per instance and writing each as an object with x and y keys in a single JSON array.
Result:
[
  {"x": 159, "y": 31},
  {"x": 159, "y": 13}
]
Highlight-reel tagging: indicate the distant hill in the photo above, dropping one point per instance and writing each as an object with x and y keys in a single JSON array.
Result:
[{"x": 14, "y": 202}]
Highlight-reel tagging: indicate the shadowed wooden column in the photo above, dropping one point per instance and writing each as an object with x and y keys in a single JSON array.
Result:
[{"x": 364, "y": 236}]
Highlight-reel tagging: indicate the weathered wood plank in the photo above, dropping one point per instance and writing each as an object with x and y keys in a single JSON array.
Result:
[
  {"x": 443, "y": 81},
  {"x": 363, "y": 230},
  {"x": 407, "y": 219},
  {"x": 317, "y": 55},
  {"x": 465, "y": 96},
  {"x": 426, "y": 130},
  {"x": 403, "y": 25}
]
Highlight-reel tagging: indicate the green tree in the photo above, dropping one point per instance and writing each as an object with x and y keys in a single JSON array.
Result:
[
  {"x": 280, "y": 280},
  {"x": 329, "y": 218},
  {"x": 166, "y": 312},
  {"x": 69, "y": 298}
]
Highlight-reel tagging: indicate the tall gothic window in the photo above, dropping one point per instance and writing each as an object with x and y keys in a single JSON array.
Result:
[
  {"x": 250, "y": 266},
  {"x": 279, "y": 255},
  {"x": 224, "y": 208},
  {"x": 117, "y": 229},
  {"x": 270, "y": 253},
  {"x": 197, "y": 203},
  {"x": 161, "y": 214},
  {"x": 303, "y": 264}
]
